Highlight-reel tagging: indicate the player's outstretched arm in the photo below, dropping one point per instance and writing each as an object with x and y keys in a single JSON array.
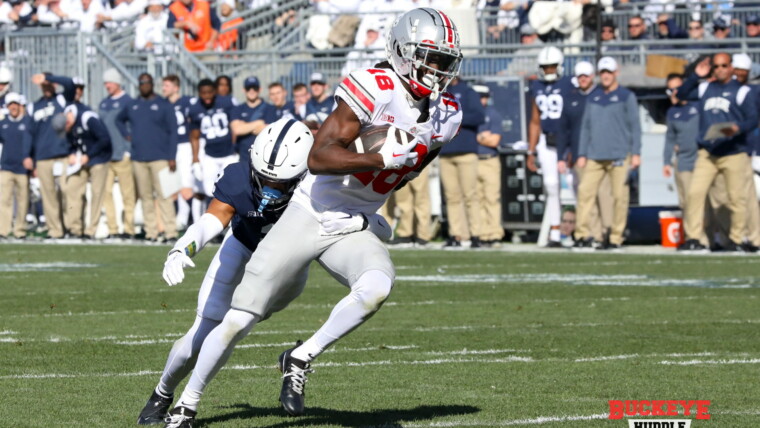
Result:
[
  {"x": 216, "y": 218},
  {"x": 328, "y": 155}
]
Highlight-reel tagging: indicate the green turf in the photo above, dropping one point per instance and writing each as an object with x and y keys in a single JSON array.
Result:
[{"x": 468, "y": 338}]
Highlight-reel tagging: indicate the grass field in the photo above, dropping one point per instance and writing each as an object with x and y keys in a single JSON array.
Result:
[{"x": 468, "y": 338}]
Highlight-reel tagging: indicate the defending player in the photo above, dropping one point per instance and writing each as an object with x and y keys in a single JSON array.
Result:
[
  {"x": 408, "y": 90},
  {"x": 210, "y": 119},
  {"x": 250, "y": 194},
  {"x": 546, "y": 96}
]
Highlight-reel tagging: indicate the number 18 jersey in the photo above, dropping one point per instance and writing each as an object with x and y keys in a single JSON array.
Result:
[{"x": 377, "y": 97}]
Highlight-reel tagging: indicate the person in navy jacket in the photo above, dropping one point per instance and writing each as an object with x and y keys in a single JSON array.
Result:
[
  {"x": 321, "y": 100},
  {"x": 50, "y": 149},
  {"x": 731, "y": 103},
  {"x": 15, "y": 164},
  {"x": 90, "y": 138},
  {"x": 249, "y": 118},
  {"x": 459, "y": 169},
  {"x": 154, "y": 148}
]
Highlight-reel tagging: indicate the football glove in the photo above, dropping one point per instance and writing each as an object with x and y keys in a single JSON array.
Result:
[
  {"x": 396, "y": 155},
  {"x": 197, "y": 171},
  {"x": 176, "y": 261},
  {"x": 335, "y": 223}
]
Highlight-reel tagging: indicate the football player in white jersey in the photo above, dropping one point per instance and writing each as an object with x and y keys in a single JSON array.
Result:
[{"x": 327, "y": 219}]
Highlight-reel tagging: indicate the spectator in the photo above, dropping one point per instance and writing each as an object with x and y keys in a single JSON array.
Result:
[
  {"x": 610, "y": 144},
  {"x": 210, "y": 119},
  {"x": 154, "y": 148},
  {"x": 720, "y": 100},
  {"x": 680, "y": 139},
  {"x": 321, "y": 100},
  {"x": 6, "y": 79},
  {"x": 489, "y": 171},
  {"x": 15, "y": 165},
  {"x": 79, "y": 86},
  {"x": 608, "y": 31},
  {"x": 199, "y": 22},
  {"x": 120, "y": 165},
  {"x": 637, "y": 29},
  {"x": 17, "y": 12},
  {"x": 752, "y": 26},
  {"x": 250, "y": 117},
  {"x": 224, "y": 86},
  {"x": 557, "y": 21},
  {"x": 459, "y": 170},
  {"x": 51, "y": 150},
  {"x": 301, "y": 96},
  {"x": 123, "y": 11},
  {"x": 189, "y": 183},
  {"x": 524, "y": 62},
  {"x": 569, "y": 135},
  {"x": 278, "y": 97},
  {"x": 90, "y": 139},
  {"x": 722, "y": 32},
  {"x": 369, "y": 52},
  {"x": 668, "y": 29},
  {"x": 87, "y": 15},
  {"x": 53, "y": 12},
  {"x": 149, "y": 30}
]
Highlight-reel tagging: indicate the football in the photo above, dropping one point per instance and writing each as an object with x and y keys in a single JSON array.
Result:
[{"x": 373, "y": 138}]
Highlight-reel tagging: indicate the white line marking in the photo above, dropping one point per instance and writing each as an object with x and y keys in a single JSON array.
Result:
[
  {"x": 710, "y": 362},
  {"x": 46, "y": 267},
  {"x": 533, "y": 421},
  {"x": 7, "y": 332}
]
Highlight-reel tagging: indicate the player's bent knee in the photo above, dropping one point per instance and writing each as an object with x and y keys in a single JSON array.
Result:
[
  {"x": 372, "y": 289},
  {"x": 237, "y": 324}
]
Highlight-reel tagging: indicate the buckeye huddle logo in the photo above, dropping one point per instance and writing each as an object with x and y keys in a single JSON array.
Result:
[{"x": 697, "y": 409}]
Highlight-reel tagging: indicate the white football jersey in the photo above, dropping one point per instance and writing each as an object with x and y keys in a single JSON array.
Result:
[{"x": 377, "y": 97}]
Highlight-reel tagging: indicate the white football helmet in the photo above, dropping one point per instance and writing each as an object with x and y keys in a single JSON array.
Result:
[
  {"x": 279, "y": 155},
  {"x": 6, "y": 78},
  {"x": 419, "y": 39},
  {"x": 550, "y": 55}
]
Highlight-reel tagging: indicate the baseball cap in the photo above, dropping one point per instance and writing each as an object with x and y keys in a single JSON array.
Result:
[
  {"x": 111, "y": 75},
  {"x": 14, "y": 97},
  {"x": 483, "y": 90},
  {"x": 252, "y": 82},
  {"x": 721, "y": 22},
  {"x": 317, "y": 78},
  {"x": 607, "y": 63},
  {"x": 741, "y": 61},
  {"x": 78, "y": 81},
  {"x": 527, "y": 30},
  {"x": 753, "y": 19},
  {"x": 584, "y": 68}
]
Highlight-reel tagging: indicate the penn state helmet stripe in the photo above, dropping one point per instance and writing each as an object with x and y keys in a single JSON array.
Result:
[{"x": 278, "y": 143}]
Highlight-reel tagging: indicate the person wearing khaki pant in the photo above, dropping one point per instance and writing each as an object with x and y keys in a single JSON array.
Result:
[
  {"x": 610, "y": 144},
  {"x": 94, "y": 152},
  {"x": 15, "y": 164},
  {"x": 18, "y": 184},
  {"x": 154, "y": 148},
  {"x": 413, "y": 203},
  {"x": 459, "y": 170},
  {"x": 723, "y": 100},
  {"x": 51, "y": 150},
  {"x": 489, "y": 171}
]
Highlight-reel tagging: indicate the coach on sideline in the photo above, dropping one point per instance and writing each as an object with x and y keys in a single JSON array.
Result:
[
  {"x": 722, "y": 100},
  {"x": 610, "y": 144},
  {"x": 154, "y": 147}
]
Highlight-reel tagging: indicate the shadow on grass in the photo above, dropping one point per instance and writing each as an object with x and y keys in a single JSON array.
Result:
[{"x": 389, "y": 418}]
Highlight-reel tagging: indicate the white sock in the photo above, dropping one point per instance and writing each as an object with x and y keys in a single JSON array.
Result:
[
  {"x": 367, "y": 295},
  {"x": 215, "y": 352},
  {"x": 554, "y": 235},
  {"x": 183, "y": 355}
]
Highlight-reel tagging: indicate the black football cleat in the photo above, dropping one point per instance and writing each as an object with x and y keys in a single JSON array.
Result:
[
  {"x": 293, "y": 382},
  {"x": 180, "y": 417},
  {"x": 155, "y": 410}
]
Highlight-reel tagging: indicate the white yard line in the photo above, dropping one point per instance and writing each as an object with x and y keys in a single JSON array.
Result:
[
  {"x": 532, "y": 421},
  {"x": 711, "y": 362}
]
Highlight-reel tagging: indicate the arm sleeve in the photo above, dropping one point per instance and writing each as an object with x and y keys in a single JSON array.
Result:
[
  {"x": 171, "y": 21},
  {"x": 69, "y": 89},
  {"x": 198, "y": 235},
  {"x": 216, "y": 24},
  {"x": 670, "y": 142},
  {"x": 689, "y": 90},
  {"x": 140, "y": 33},
  {"x": 121, "y": 121},
  {"x": 632, "y": 109}
]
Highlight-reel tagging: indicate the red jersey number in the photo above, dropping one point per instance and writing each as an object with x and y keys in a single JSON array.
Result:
[
  {"x": 386, "y": 180},
  {"x": 384, "y": 82}
]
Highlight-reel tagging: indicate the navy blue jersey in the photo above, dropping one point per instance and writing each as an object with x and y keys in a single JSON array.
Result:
[
  {"x": 246, "y": 113},
  {"x": 214, "y": 124},
  {"x": 90, "y": 135},
  {"x": 16, "y": 138},
  {"x": 574, "y": 104},
  {"x": 235, "y": 188},
  {"x": 493, "y": 124},
  {"x": 151, "y": 128},
  {"x": 181, "y": 110},
  {"x": 549, "y": 100}
]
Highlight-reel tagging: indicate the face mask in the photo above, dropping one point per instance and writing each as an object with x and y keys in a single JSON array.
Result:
[{"x": 268, "y": 194}]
